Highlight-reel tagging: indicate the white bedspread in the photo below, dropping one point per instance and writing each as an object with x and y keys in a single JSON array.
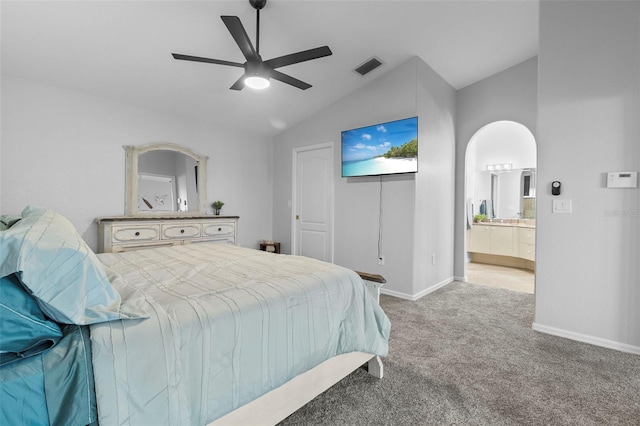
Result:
[{"x": 226, "y": 325}]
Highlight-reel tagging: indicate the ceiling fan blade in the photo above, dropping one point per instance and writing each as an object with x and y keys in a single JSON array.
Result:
[
  {"x": 277, "y": 75},
  {"x": 294, "y": 58},
  {"x": 206, "y": 60},
  {"x": 238, "y": 85},
  {"x": 239, "y": 34}
]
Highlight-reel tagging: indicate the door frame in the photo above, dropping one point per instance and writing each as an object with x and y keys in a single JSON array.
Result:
[
  {"x": 294, "y": 200},
  {"x": 468, "y": 220}
]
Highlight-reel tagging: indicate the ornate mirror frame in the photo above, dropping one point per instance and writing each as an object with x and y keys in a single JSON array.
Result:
[{"x": 131, "y": 177}]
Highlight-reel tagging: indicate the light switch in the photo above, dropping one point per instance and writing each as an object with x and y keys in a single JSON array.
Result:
[{"x": 561, "y": 206}]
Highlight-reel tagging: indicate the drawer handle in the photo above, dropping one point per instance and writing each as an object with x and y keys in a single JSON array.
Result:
[
  {"x": 182, "y": 231},
  {"x": 137, "y": 233},
  {"x": 219, "y": 229}
]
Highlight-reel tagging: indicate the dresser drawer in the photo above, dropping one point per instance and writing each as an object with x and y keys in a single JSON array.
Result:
[
  {"x": 219, "y": 229},
  {"x": 180, "y": 231},
  {"x": 129, "y": 233}
]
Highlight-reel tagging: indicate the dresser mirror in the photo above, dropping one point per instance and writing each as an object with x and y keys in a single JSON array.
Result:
[{"x": 166, "y": 179}]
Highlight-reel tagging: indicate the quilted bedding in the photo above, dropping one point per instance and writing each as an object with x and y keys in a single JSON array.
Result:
[{"x": 226, "y": 325}]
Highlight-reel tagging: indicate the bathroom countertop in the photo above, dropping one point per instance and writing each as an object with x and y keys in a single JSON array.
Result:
[{"x": 519, "y": 223}]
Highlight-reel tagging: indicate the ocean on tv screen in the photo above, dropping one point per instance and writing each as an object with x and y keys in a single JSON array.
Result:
[{"x": 379, "y": 166}]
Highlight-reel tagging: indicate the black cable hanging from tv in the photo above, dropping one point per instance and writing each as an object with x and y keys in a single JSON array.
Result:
[{"x": 380, "y": 222}]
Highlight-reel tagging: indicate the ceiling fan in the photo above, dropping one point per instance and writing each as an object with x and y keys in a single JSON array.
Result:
[{"x": 257, "y": 72}]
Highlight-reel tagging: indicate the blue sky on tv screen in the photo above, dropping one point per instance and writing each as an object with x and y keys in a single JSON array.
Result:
[{"x": 372, "y": 141}]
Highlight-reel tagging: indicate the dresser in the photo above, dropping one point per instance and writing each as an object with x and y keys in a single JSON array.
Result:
[{"x": 125, "y": 233}]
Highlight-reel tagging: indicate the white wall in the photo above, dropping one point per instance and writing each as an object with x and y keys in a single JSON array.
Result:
[
  {"x": 63, "y": 150},
  {"x": 588, "y": 276},
  {"x": 417, "y": 209},
  {"x": 509, "y": 95},
  {"x": 435, "y": 184}
]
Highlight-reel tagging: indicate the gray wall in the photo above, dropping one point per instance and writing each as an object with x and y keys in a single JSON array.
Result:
[
  {"x": 63, "y": 150},
  {"x": 588, "y": 278},
  {"x": 417, "y": 209}
]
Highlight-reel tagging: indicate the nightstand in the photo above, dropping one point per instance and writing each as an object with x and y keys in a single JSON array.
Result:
[
  {"x": 373, "y": 283},
  {"x": 270, "y": 247}
]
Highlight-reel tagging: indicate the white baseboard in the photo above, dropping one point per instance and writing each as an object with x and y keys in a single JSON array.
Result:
[
  {"x": 585, "y": 338},
  {"x": 414, "y": 297}
]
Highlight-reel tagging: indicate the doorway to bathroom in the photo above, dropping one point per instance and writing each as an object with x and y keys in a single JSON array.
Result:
[{"x": 500, "y": 193}]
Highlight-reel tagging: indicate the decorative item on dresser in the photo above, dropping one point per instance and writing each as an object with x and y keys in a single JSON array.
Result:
[
  {"x": 217, "y": 206},
  {"x": 125, "y": 233}
]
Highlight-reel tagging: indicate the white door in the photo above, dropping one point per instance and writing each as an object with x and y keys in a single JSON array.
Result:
[{"x": 313, "y": 201}]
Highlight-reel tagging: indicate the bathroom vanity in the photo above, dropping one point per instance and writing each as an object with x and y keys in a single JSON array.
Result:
[{"x": 509, "y": 242}]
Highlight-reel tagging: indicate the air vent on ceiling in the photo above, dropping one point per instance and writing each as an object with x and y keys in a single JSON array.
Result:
[{"x": 368, "y": 66}]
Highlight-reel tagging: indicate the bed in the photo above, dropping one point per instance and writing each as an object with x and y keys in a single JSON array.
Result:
[{"x": 197, "y": 334}]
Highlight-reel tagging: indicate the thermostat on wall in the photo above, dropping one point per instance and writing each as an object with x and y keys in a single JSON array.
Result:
[{"x": 622, "y": 179}]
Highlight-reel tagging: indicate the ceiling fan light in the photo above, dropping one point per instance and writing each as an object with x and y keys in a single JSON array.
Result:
[{"x": 257, "y": 82}]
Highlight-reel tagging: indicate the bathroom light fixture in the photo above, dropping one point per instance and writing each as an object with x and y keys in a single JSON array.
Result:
[{"x": 501, "y": 167}]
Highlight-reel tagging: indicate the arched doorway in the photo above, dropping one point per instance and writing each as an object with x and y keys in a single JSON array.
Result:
[{"x": 500, "y": 185}]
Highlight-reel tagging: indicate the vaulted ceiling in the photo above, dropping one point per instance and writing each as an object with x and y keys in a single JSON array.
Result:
[{"x": 121, "y": 50}]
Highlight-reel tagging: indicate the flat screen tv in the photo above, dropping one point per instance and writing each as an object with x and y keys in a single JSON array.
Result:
[{"x": 381, "y": 149}]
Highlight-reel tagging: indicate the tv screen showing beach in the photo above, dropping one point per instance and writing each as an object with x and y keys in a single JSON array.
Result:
[{"x": 381, "y": 149}]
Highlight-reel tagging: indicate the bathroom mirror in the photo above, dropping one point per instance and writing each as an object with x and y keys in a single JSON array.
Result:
[
  {"x": 508, "y": 194},
  {"x": 164, "y": 178}
]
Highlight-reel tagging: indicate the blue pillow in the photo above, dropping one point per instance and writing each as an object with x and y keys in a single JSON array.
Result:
[
  {"x": 58, "y": 268},
  {"x": 24, "y": 330}
]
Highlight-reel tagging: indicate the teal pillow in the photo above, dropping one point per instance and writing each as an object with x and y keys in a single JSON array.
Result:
[
  {"x": 58, "y": 268},
  {"x": 7, "y": 221},
  {"x": 24, "y": 330}
]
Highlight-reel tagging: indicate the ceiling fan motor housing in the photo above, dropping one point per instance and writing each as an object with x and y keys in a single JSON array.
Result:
[
  {"x": 257, "y": 69},
  {"x": 258, "y": 4}
]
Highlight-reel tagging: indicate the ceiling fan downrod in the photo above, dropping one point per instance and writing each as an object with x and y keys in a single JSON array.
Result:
[{"x": 257, "y": 5}]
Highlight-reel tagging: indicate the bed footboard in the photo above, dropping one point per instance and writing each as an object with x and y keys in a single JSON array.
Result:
[
  {"x": 278, "y": 404},
  {"x": 376, "y": 368}
]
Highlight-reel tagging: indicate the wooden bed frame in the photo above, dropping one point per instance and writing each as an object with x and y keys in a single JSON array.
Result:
[{"x": 278, "y": 404}]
